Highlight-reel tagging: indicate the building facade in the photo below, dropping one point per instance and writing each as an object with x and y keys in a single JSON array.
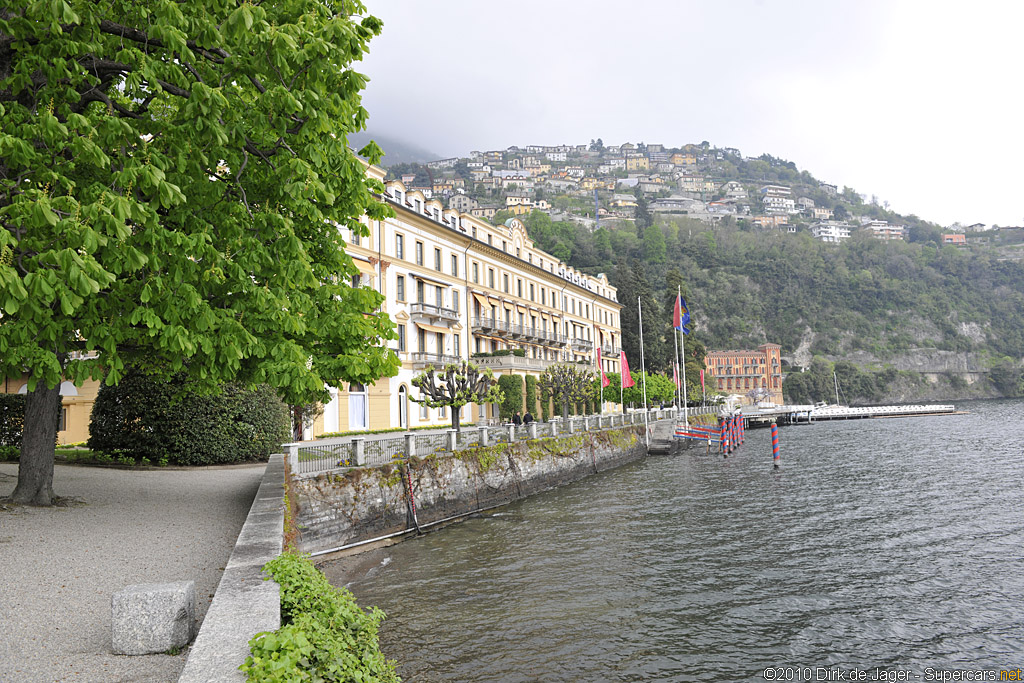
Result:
[
  {"x": 459, "y": 288},
  {"x": 754, "y": 375}
]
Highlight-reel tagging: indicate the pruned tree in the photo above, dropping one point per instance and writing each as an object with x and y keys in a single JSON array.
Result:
[
  {"x": 456, "y": 385},
  {"x": 174, "y": 183},
  {"x": 568, "y": 384}
]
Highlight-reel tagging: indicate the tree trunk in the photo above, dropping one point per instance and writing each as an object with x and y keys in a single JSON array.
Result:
[
  {"x": 35, "y": 468},
  {"x": 455, "y": 419}
]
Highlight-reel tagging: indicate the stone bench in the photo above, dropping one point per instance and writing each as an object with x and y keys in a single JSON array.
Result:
[{"x": 153, "y": 617}]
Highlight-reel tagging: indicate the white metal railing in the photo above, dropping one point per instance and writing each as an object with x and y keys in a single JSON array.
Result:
[{"x": 311, "y": 459}]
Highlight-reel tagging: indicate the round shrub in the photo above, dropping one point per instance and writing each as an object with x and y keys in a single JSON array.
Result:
[{"x": 145, "y": 418}]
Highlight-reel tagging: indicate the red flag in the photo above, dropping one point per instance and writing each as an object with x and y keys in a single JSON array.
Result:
[
  {"x": 675, "y": 374},
  {"x": 677, "y": 314},
  {"x": 600, "y": 367},
  {"x": 627, "y": 379}
]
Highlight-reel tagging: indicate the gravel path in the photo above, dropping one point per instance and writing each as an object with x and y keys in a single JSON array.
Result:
[{"x": 60, "y": 566}]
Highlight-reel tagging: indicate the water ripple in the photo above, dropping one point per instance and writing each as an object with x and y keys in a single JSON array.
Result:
[{"x": 881, "y": 543}]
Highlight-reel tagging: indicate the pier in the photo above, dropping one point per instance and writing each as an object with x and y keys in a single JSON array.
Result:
[{"x": 806, "y": 414}]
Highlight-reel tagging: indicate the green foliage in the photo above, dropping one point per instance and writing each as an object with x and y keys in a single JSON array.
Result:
[
  {"x": 531, "y": 395},
  {"x": 567, "y": 384},
  {"x": 660, "y": 389},
  {"x": 511, "y": 387},
  {"x": 1008, "y": 378},
  {"x": 175, "y": 175},
  {"x": 146, "y": 418},
  {"x": 324, "y": 634},
  {"x": 12, "y": 420},
  {"x": 455, "y": 386},
  {"x": 545, "y": 403}
]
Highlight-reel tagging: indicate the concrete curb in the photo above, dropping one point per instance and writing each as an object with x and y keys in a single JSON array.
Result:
[{"x": 244, "y": 603}]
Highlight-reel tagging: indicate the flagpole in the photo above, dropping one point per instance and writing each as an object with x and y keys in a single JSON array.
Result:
[
  {"x": 675, "y": 343},
  {"x": 682, "y": 362},
  {"x": 600, "y": 378},
  {"x": 643, "y": 369}
]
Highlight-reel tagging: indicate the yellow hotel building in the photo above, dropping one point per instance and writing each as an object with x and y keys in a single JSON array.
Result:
[{"x": 455, "y": 286}]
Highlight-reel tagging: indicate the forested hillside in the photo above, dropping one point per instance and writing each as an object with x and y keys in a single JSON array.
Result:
[{"x": 948, "y": 315}]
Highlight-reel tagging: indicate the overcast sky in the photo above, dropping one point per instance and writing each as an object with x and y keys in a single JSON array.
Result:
[{"x": 919, "y": 103}]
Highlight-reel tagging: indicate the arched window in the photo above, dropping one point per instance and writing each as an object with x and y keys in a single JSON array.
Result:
[{"x": 403, "y": 407}]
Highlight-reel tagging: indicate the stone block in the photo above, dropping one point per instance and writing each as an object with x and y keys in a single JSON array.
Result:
[{"x": 153, "y": 617}]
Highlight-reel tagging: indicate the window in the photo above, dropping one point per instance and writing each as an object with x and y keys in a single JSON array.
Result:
[
  {"x": 456, "y": 348},
  {"x": 490, "y": 239},
  {"x": 419, "y": 253},
  {"x": 476, "y": 272},
  {"x": 474, "y": 232},
  {"x": 588, "y": 310},
  {"x": 440, "y": 296},
  {"x": 505, "y": 281},
  {"x": 504, "y": 246},
  {"x": 490, "y": 278},
  {"x": 401, "y": 337},
  {"x": 400, "y": 288},
  {"x": 543, "y": 297},
  {"x": 519, "y": 287},
  {"x": 355, "y": 238},
  {"x": 357, "y": 280},
  {"x": 531, "y": 292},
  {"x": 455, "y": 265},
  {"x": 437, "y": 259},
  {"x": 399, "y": 246},
  {"x": 455, "y": 300},
  {"x": 419, "y": 291},
  {"x": 424, "y": 412},
  {"x": 63, "y": 423}
]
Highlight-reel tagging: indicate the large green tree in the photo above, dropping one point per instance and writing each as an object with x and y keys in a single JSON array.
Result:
[{"x": 174, "y": 178}]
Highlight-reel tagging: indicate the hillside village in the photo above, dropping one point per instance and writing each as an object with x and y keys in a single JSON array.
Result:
[{"x": 590, "y": 184}]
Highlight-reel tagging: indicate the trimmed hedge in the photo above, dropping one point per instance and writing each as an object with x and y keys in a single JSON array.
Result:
[
  {"x": 512, "y": 387},
  {"x": 12, "y": 425},
  {"x": 531, "y": 395},
  {"x": 143, "y": 418}
]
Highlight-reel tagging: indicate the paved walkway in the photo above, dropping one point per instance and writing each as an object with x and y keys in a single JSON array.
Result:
[{"x": 60, "y": 566}]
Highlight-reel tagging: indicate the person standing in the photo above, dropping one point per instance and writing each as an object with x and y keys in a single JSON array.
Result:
[
  {"x": 528, "y": 418},
  {"x": 516, "y": 420}
]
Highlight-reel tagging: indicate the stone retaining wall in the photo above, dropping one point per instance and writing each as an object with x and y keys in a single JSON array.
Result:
[{"x": 336, "y": 510}]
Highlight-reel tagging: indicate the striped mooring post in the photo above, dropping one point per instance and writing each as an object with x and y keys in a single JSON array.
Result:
[
  {"x": 723, "y": 437},
  {"x": 743, "y": 428},
  {"x": 775, "y": 445}
]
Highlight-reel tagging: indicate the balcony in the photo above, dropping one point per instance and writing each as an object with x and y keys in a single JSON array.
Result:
[
  {"x": 421, "y": 360},
  {"x": 582, "y": 344},
  {"x": 610, "y": 351},
  {"x": 434, "y": 312},
  {"x": 491, "y": 325},
  {"x": 512, "y": 362}
]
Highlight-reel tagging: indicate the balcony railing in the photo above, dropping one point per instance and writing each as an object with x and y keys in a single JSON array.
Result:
[
  {"x": 503, "y": 328},
  {"x": 491, "y": 325},
  {"x": 432, "y": 311},
  {"x": 513, "y": 362},
  {"x": 421, "y": 359},
  {"x": 609, "y": 351},
  {"x": 582, "y": 344}
]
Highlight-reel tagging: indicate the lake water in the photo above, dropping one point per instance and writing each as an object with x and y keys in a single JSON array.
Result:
[{"x": 895, "y": 544}]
